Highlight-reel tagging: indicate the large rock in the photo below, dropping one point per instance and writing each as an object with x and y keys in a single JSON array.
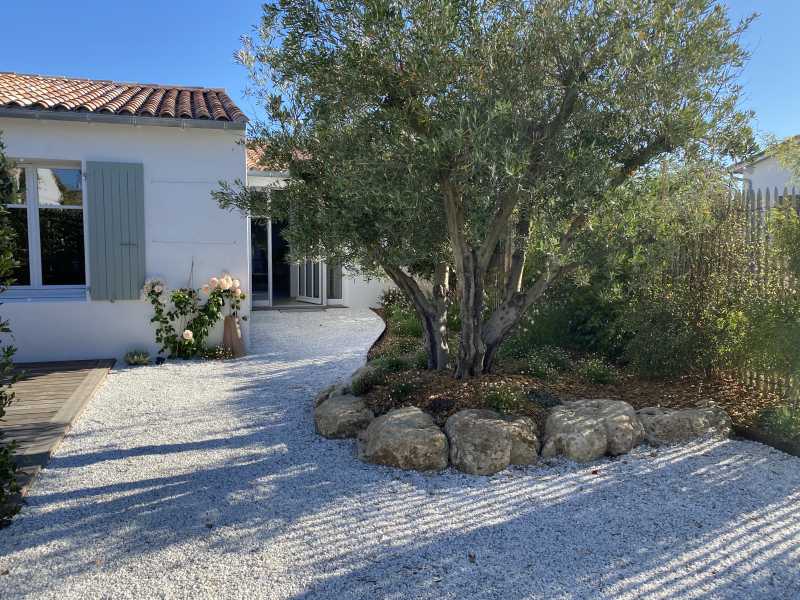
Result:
[
  {"x": 337, "y": 389},
  {"x": 342, "y": 416},
  {"x": 585, "y": 430},
  {"x": 482, "y": 442},
  {"x": 524, "y": 441},
  {"x": 406, "y": 438},
  {"x": 669, "y": 426}
]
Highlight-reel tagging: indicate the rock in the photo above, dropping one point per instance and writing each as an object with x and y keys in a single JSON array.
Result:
[
  {"x": 669, "y": 426},
  {"x": 342, "y": 416},
  {"x": 406, "y": 438},
  {"x": 480, "y": 441},
  {"x": 524, "y": 441},
  {"x": 337, "y": 389},
  {"x": 585, "y": 430}
]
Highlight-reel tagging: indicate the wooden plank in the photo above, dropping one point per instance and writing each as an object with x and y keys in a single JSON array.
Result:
[{"x": 48, "y": 400}]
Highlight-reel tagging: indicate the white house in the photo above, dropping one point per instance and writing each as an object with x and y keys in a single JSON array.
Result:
[
  {"x": 276, "y": 282},
  {"x": 764, "y": 172},
  {"x": 115, "y": 183}
]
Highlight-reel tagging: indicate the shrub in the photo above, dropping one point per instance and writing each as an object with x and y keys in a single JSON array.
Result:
[
  {"x": 538, "y": 366},
  {"x": 596, "y": 370},
  {"x": 137, "y": 358},
  {"x": 782, "y": 421},
  {"x": 401, "y": 390},
  {"x": 367, "y": 380},
  {"x": 398, "y": 347},
  {"x": 391, "y": 364},
  {"x": 420, "y": 359},
  {"x": 408, "y": 327},
  {"x": 504, "y": 398},
  {"x": 393, "y": 298}
]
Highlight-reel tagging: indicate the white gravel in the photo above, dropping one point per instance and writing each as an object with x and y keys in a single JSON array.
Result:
[{"x": 206, "y": 480}]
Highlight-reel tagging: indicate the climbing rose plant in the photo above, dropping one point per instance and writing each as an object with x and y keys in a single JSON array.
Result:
[{"x": 183, "y": 321}]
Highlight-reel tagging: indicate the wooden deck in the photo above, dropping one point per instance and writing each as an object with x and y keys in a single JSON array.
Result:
[{"x": 49, "y": 398}]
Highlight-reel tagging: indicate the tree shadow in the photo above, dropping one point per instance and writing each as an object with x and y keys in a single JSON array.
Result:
[{"x": 694, "y": 521}]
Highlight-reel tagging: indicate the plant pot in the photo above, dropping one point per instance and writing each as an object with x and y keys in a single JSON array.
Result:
[{"x": 232, "y": 337}]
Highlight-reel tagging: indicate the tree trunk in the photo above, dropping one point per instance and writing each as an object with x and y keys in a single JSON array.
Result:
[
  {"x": 471, "y": 349},
  {"x": 432, "y": 312}
]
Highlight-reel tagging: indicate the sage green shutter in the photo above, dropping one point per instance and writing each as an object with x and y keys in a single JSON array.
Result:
[{"x": 115, "y": 194}]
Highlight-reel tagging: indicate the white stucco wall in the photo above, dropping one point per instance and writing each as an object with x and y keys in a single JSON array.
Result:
[
  {"x": 767, "y": 173},
  {"x": 183, "y": 225}
]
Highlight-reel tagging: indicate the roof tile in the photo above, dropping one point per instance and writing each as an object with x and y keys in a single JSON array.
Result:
[{"x": 39, "y": 92}]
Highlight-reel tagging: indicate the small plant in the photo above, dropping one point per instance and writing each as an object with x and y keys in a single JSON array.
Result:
[
  {"x": 137, "y": 358},
  {"x": 392, "y": 364},
  {"x": 546, "y": 362},
  {"x": 596, "y": 370},
  {"x": 401, "y": 390},
  {"x": 367, "y": 380},
  {"x": 399, "y": 347},
  {"x": 420, "y": 359},
  {"x": 407, "y": 326},
  {"x": 783, "y": 421},
  {"x": 394, "y": 298},
  {"x": 505, "y": 398}
]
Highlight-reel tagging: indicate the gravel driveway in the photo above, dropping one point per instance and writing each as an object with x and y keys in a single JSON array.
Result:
[{"x": 205, "y": 480}]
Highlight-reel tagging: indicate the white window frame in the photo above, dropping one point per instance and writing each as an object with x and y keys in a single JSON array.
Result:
[{"x": 37, "y": 290}]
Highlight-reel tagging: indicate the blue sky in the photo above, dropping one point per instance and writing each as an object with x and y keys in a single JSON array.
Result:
[{"x": 192, "y": 43}]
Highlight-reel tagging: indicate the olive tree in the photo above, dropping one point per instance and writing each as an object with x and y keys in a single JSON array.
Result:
[{"x": 464, "y": 137}]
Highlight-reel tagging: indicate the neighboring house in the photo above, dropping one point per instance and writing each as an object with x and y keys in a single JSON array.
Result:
[
  {"x": 764, "y": 172},
  {"x": 116, "y": 182}
]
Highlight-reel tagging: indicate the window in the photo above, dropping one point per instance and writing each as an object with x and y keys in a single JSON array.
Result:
[{"x": 47, "y": 217}]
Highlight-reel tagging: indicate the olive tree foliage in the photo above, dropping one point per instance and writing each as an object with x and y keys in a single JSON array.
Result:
[{"x": 464, "y": 137}]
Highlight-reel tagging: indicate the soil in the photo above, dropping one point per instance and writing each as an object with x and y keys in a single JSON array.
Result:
[{"x": 441, "y": 395}]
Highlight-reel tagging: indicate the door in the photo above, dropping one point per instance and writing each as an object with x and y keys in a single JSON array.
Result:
[
  {"x": 309, "y": 284},
  {"x": 260, "y": 262}
]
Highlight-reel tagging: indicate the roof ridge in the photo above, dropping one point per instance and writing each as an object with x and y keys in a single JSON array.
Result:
[{"x": 116, "y": 82}]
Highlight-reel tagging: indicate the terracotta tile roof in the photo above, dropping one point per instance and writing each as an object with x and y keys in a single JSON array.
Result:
[{"x": 38, "y": 92}]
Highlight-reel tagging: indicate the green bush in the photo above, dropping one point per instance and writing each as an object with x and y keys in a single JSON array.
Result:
[
  {"x": 783, "y": 422},
  {"x": 392, "y": 364},
  {"x": 420, "y": 359},
  {"x": 596, "y": 370},
  {"x": 401, "y": 390},
  {"x": 393, "y": 298},
  {"x": 398, "y": 347},
  {"x": 407, "y": 327},
  {"x": 368, "y": 379},
  {"x": 505, "y": 398}
]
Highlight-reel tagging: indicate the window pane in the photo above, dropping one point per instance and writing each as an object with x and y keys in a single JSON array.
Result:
[
  {"x": 17, "y": 191},
  {"x": 18, "y": 219},
  {"x": 61, "y": 233},
  {"x": 335, "y": 282},
  {"x": 59, "y": 187}
]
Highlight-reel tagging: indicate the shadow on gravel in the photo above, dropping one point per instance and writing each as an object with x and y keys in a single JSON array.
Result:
[{"x": 694, "y": 521}]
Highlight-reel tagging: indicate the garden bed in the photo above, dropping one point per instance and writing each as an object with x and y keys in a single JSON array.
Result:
[{"x": 512, "y": 390}]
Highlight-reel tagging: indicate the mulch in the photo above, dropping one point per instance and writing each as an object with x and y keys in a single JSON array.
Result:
[{"x": 441, "y": 395}]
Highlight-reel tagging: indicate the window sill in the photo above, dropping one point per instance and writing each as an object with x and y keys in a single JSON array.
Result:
[{"x": 49, "y": 294}]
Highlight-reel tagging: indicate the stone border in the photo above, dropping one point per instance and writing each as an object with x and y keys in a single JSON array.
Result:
[{"x": 484, "y": 442}]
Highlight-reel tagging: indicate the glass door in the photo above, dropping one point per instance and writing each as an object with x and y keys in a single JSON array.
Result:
[{"x": 308, "y": 281}]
